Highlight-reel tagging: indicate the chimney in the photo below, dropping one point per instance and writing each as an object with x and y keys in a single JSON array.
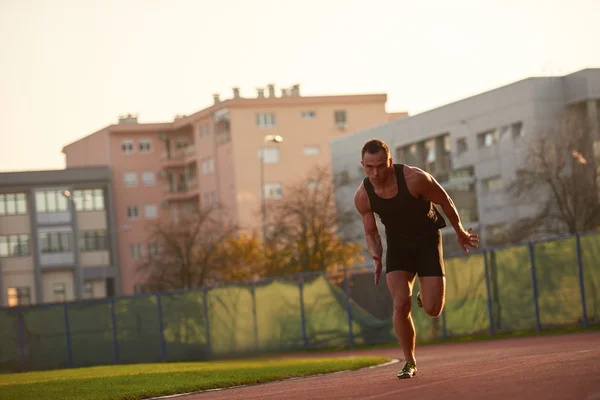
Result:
[
  {"x": 296, "y": 90},
  {"x": 216, "y": 98},
  {"x": 260, "y": 93},
  {"x": 284, "y": 93},
  {"x": 128, "y": 119},
  {"x": 236, "y": 93},
  {"x": 271, "y": 90}
]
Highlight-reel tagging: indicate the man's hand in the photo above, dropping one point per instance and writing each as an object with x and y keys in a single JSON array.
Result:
[
  {"x": 466, "y": 238},
  {"x": 377, "y": 267}
]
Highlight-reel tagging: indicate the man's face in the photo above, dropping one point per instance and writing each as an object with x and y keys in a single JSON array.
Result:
[{"x": 377, "y": 166}]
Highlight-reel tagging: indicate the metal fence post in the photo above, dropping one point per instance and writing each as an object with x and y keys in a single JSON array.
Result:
[
  {"x": 68, "y": 336},
  {"x": 163, "y": 346},
  {"x": 489, "y": 292},
  {"x": 206, "y": 318},
  {"x": 302, "y": 316},
  {"x": 348, "y": 307},
  {"x": 20, "y": 324},
  {"x": 113, "y": 319},
  {"x": 253, "y": 293},
  {"x": 535, "y": 289},
  {"x": 443, "y": 318},
  {"x": 581, "y": 281}
]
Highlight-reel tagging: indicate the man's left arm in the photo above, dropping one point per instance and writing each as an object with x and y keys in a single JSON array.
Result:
[{"x": 431, "y": 189}]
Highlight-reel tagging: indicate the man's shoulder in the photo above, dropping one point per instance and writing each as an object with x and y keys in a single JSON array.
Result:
[{"x": 361, "y": 198}]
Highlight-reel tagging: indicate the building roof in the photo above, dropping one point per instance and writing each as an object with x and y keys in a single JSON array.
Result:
[
  {"x": 130, "y": 124},
  {"x": 58, "y": 176}
]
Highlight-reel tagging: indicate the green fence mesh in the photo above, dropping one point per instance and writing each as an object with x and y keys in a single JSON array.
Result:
[
  {"x": 590, "y": 255},
  {"x": 511, "y": 289},
  {"x": 91, "y": 334},
  {"x": 466, "y": 311},
  {"x": 308, "y": 311},
  {"x": 184, "y": 326},
  {"x": 138, "y": 333},
  {"x": 10, "y": 350}
]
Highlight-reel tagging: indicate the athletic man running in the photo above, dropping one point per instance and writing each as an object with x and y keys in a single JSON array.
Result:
[{"x": 403, "y": 196}]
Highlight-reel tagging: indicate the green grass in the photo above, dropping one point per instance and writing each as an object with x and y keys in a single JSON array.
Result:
[{"x": 128, "y": 382}]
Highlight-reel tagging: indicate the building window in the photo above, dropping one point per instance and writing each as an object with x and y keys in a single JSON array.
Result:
[
  {"x": 272, "y": 191},
  {"x": 270, "y": 155},
  {"x": 150, "y": 211},
  {"x": 210, "y": 198},
  {"x": 136, "y": 251},
  {"x": 127, "y": 146},
  {"x": 50, "y": 201},
  {"x": 517, "y": 130},
  {"x": 181, "y": 144},
  {"x": 19, "y": 296},
  {"x": 208, "y": 166},
  {"x": 148, "y": 178},
  {"x": 55, "y": 242},
  {"x": 92, "y": 241},
  {"x": 340, "y": 118},
  {"x": 265, "y": 120},
  {"x": 152, "y": 250},
  {"x": 309, "y": 115},
  {"x": 487, "y": 139},
  {"x": 14, "y": 246},
  {"x": 461, "y": 145},
  {"x": 311, "y": 150},
  {"x": 60, "y": 293},
  {"x": 130, "y": 179},
  {"x": 13, "y": 204},
  {"x": 132, "y": 212},
  {"x": 88, "y": 290},
  {"x": 492, "y": 184},
  {"x": 89, "y": 200},
  {"x": 145, "y": 146},
  {"x": 204, "y": 130}
]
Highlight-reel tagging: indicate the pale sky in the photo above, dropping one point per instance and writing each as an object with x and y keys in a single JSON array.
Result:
[{"x": 70, "y": 67}]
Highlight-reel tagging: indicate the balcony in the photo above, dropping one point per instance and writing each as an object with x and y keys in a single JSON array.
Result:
[
  {"x": 178, "y": 158},
  {"x": 183, "y": 190}
]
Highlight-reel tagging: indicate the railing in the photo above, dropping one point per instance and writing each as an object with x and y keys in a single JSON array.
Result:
[{"x": 528, "y": 286}]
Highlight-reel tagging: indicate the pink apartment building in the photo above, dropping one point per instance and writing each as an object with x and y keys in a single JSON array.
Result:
[{"x": 160, "y": 169}]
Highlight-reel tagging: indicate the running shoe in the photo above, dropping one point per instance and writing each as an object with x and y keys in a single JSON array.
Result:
[{"x": 409, "y": 370}]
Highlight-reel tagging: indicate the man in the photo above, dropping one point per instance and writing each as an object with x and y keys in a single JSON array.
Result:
[{"x": 404, "y": 196}]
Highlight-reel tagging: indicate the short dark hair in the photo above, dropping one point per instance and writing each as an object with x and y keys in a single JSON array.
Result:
[{"x": 374, "y": 146}]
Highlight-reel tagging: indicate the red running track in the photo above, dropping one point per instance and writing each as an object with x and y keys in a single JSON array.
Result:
[{"x": 548, "y": 367}]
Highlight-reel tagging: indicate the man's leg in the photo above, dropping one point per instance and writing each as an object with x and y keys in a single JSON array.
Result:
[
  {"x": 433, "y": 294},
  {"x": 400, "y": 284},
  {"x": 432, "y": 277}
]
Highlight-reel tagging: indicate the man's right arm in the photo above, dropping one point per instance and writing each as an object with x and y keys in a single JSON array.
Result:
[{"x": 361, "y": 201}]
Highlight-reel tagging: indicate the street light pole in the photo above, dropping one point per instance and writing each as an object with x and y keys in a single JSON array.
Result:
[
  {"x": 267, "y": 139},
  {"x": 73, "y": 211}
]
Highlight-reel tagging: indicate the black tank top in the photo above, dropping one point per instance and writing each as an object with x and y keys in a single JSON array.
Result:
[{"x": 404, "y": 216}]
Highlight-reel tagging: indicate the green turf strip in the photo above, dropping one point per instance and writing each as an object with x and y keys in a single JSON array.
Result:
[{"x": 148, "y": 380}]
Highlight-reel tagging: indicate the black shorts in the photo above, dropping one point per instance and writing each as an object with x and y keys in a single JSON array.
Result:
[{"x": 423, "y": 256}]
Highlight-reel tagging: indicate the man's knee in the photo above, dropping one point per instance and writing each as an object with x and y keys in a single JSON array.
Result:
[
  {"x": 433, "y": 309},
  {"x": 402, "y": 305}
]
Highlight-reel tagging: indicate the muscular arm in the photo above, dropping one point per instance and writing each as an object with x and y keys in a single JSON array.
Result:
[
  {"x": 428, "y": 187},
  {"x": 361, "y": 201}
]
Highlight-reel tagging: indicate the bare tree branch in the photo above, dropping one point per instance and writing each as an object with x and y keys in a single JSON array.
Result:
[
  {"x": 189, "y": 250},
  {"x": 304, "y": 227},
  {"x": 562, "y": 167}
]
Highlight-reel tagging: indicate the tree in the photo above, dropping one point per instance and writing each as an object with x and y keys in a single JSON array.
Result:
[
  {"x": 189, "y": 251},
  {"x": 562, "y": 170},
  {"x": 241, "y": 257},
  {"x": 303, "y": 228}
]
